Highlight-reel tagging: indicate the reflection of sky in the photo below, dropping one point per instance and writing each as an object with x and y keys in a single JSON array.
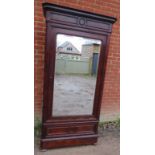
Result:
[{"x": 76, "y": 41}]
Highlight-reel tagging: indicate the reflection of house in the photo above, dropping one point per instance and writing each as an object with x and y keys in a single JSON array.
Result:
[
  {"x": 68, "y": 51},
  {"x": 89, "y": 49},
  {"x": 91, "y": 52}
]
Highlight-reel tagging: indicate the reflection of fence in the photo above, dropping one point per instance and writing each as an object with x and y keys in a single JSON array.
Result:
[{"x": 66, "y": 66}]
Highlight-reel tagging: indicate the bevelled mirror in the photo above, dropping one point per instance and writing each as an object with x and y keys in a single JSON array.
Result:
[
  {"x": 75, "y": 63},
  {"x": 76, "y": 67}
]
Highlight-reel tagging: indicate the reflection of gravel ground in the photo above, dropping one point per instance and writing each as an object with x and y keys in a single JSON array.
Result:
[{"x": 73, "y": 95}]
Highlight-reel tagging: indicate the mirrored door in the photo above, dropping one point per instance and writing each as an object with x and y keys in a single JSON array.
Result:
[{"x": 76, "y": 68}]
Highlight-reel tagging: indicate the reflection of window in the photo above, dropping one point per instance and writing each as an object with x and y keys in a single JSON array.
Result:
[{"x": 69, "y": 48}]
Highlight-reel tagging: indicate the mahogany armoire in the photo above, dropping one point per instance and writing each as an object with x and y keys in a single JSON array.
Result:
[{"x": 82, "y": 129}]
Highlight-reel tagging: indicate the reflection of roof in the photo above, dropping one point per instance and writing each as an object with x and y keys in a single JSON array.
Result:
[
  {"x": 64, "y": 44},
  {"x": 91, "y": 44},
  {"x": 68, "y": 44}
]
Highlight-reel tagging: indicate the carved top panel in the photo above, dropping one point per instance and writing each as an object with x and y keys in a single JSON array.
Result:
[{"x": 77, "y": 18}]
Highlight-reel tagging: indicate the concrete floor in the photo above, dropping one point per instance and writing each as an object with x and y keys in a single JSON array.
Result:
[
  {"x": 108, "y": 144},
  {"x": 73, "y": 95}
]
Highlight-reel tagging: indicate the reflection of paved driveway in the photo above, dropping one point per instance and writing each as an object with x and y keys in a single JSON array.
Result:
[{"x": 73, "y": 95}]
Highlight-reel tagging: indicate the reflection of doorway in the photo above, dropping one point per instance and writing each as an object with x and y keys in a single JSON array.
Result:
[{"x": 95, "y": 63}]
